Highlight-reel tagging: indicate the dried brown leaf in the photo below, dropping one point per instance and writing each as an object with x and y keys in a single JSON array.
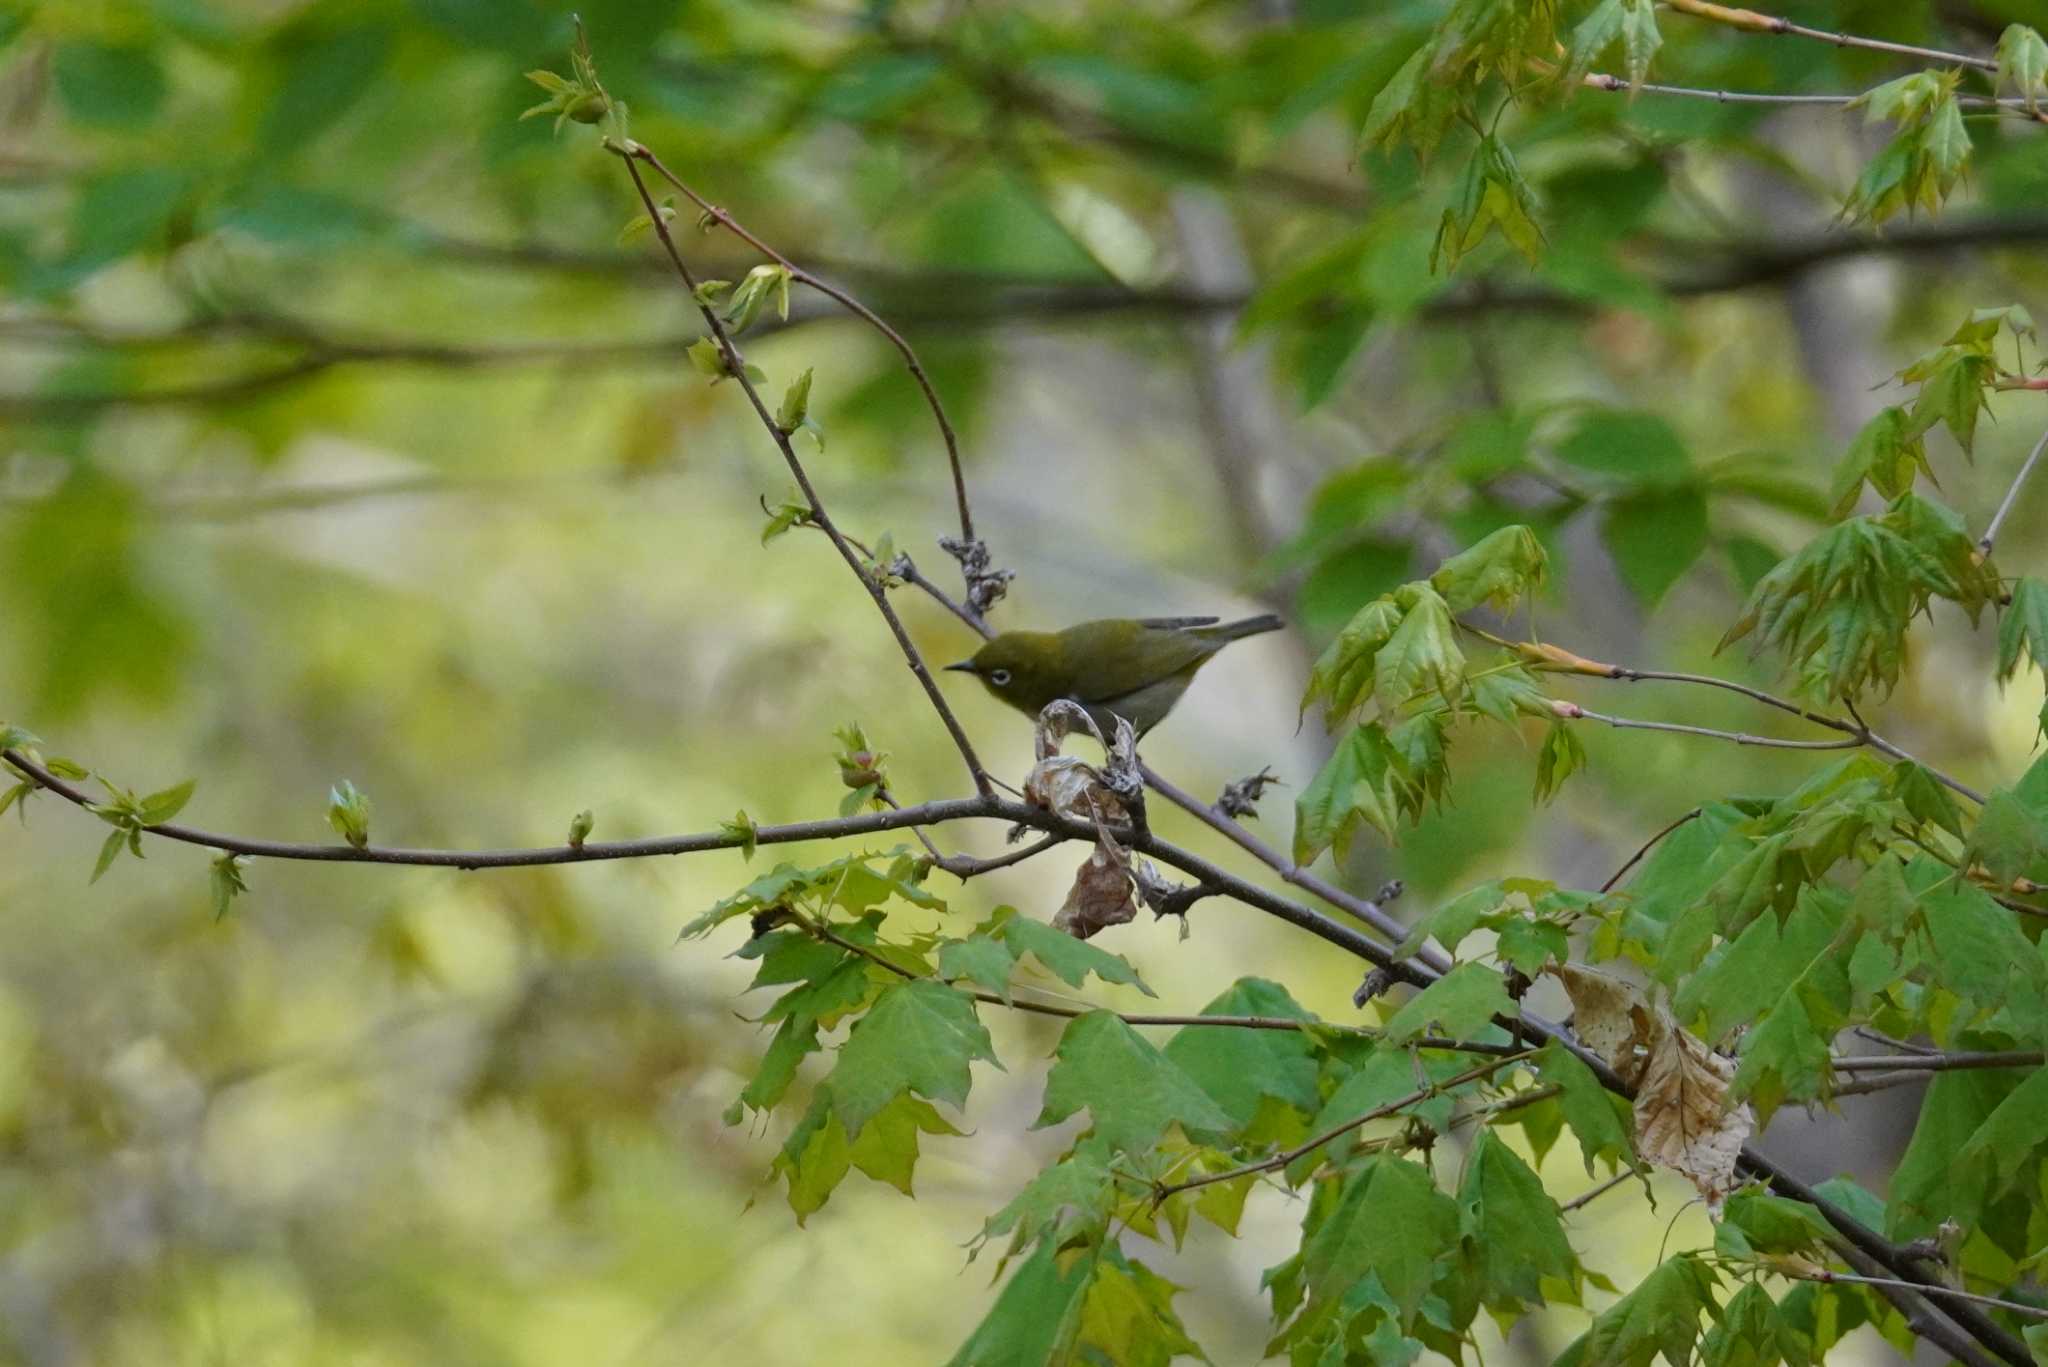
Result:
[
  {"x": 1101, "y": 895},
  {"x": 1682, "y": 1117}
]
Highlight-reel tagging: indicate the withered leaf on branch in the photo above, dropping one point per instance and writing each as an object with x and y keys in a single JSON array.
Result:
[
  {"x": 1073, "y": 788},
  {"x": 1682, "y": 1117},
  {"x": 1101, "y": 895}
]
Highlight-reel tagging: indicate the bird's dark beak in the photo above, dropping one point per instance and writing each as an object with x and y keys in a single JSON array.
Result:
[{"x": 964, "y": 666}]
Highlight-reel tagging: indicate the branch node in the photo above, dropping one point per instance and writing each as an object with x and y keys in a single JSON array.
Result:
[
  {"x": 986, "y": 585},
  {"x": 1240, "y": 799}
]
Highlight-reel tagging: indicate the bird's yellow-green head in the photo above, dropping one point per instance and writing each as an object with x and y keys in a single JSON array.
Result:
[
  {"x": 1026, "y": 669},
  {"x": 1131, "y": 667}
]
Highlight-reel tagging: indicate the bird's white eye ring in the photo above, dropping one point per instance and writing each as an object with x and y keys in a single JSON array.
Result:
[{"x": 999, "y": 677}]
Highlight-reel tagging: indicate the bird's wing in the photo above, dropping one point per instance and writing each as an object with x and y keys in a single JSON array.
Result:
[
  {"x": 1177, "y": 623},
  {"x": 1122, "y": 665}
]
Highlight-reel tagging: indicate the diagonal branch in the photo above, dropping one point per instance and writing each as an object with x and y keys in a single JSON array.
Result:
[
  {"x": 630, "y": 153},
  {"x": 851, "y": 305},
  {"x": 2012, "y": 493}
]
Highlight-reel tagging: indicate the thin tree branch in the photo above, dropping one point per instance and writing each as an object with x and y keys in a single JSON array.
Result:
[
  {"x": 1587, "y": 1198},
  {"x": 1366, "y": 910},
  {"x": 1751, "y": 21},
  {"x": 851, "y": 305},
  {"x": 1600, "y": 80},
  {"x": 2012, "y": 493},
  {"x": 1938, "y": 1062},
  {"x": 1555, "y": 659},
  {"x": 1645, "y": 848},
  {"x": 594, "y": 851},
  {"x": 1286, "y": 1156},
  {"x": 630, "y": 154},
  {"x": 1827, "y": 1275},
  {"x": 1573, "y": 711}
]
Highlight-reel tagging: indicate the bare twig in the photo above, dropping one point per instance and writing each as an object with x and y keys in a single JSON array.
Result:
[
  {"x": 1600, "y": 80},
  {"x": 1938, "y": 1062},
  {"x": 851, "y": 305},
  {"x": 1574, "y": 711},
  {"x": 1645, "y": 848},
  {"x": 1587, "y": 1198},
  {"x": 1286, "y": 1156},
  {"x": 1826, "y": 1275},
  {"x": 1555, "y": 659},
  {"x": 1750, "y": 21},
  {"x": 630, "y": 154},
  {"x": 2012, "y": 493}
]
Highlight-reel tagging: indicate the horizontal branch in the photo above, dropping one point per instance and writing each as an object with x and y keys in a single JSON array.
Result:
[
  {"x": 1938, "y": 1062},
  {"x": 1600, "y": 80},
  {"x": 1573, "y": 711},
  {"x": 1555, "y": 659},
  {"x": 1751, "y": 21},
  {"x": 594, "y": 851},
  {"x": 1821, "y": 1274}
]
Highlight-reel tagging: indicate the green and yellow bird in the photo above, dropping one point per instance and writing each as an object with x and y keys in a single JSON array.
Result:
[{"x": 1131, "y": 667}]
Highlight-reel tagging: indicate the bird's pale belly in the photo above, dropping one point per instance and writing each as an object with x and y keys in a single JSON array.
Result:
[{"x": 1144, "y": 707}]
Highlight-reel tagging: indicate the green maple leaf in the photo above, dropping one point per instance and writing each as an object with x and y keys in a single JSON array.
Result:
[
  {"x": 1751, "y": 1332},
  {"x": 1498, "y": 570},
  {"x": 1132, "y": 1092},
  {"x": 887, "y": 1147},
  {"x": 1035, "y": 1319},
  {"x": 1422, "y": 656},
  {"x": 1662, "y": 1315},
  {"x": 1461, "y": 1004},
  {"x": 979, "y": 959},
  {"x": 1068, "y": 959},
  {"x": 1514, "y": 1232},
  {"x": 1239, "y": 1067},
  {"x": 1977, "y": 948},
  {"x": 919, "y": 1036},
  {"x": 2023, "y": 628},
  {"x": 1930, "y": 1184},
  {"x": 815, "y": 1158},
  {"x": 1074, "y": 1195},
  {"x": 1886, "y": 454},
  {"x": 1600, "y": 1119},
  {"x": 1784, "y": 1058},
  {"x": 2023, "y": 64},
  {"x": 1390, "y": 1222}
]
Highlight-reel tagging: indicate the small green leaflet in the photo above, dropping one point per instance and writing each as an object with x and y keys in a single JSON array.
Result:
[
  {"x": 1661, "y": 1316},
  {"x": 2023, "y": 64},
  {"x": 1069, "y": 959},
  {"x": 1512, "y": 1227},
  {"x": 1460, "y": 1005},
  {"x": 1632, "y": 23},
  {"x": 919, "y": 1036},
  {"x": 1131, "y": 1091},
  {"x": 1237, "y": 1068},
  {"x": 1492, "y": 196}
]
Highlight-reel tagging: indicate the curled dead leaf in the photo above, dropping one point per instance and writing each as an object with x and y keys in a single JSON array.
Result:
[
  {"x": 1101, "y": 895},
  {"x": 1072, "y": 787},
  {"x": 1682, "y": 1117}
]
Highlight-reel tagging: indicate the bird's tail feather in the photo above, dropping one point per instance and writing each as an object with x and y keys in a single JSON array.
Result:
[{"x": 1249, "y": 626}]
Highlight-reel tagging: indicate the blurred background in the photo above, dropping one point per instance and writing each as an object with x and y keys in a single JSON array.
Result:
[{"x": 341, "y": 437}]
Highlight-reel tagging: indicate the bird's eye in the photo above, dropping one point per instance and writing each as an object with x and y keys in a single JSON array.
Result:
[{"x": 999, "y": 677}]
